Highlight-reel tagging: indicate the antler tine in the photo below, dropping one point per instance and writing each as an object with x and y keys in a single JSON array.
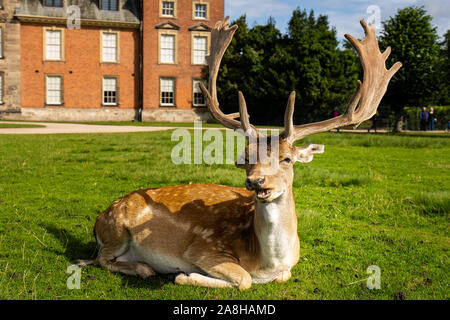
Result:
[
  {"x": 364, "y": 103},
  {"x": 289, "y": 117},
  {"x": 221, "y": 37}
]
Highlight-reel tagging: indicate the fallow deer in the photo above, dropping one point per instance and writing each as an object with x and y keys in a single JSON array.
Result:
[{"x": 221, "y": 236}]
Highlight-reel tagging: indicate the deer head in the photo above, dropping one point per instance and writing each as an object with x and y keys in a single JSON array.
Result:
[{"x": 271, "y": 180}]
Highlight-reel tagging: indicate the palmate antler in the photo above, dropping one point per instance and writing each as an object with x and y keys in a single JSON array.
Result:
[
  {"x": 221, "y": 37},
  {"x": 361, "y": 107}
]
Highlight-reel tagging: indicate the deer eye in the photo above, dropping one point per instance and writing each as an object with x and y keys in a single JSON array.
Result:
[{"x": 286, "y": 160}]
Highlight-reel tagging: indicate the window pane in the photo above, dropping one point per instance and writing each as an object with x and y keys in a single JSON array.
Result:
[
  {"x": 200, "y": 11},
  {"x": 111, "y": 5},
  {"x": 109, "y": 49},
  {"x": 53, "y": 44},
  {"x": 167, "y": 53},
  {"x": 110, "y": 91},
  {"x": 1, "y": 87},
  {"x": 54, "y": 90},
  {"x": 53, "y": 3},
  {"x": 167, "y": 92},
  {"x": 200, "y": 49},
  {"x": 168, "y": 8},
  {"x": 198, "y": 97},
  {"x": 1, "y": 42}
]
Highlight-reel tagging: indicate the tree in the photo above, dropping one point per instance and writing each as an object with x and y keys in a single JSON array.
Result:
[
  {"x": 414, "y": 43},
  {"x": 267, "y": 65},
  {"x": 323, "y": 76},
  {"x": 443, "y": 69}
]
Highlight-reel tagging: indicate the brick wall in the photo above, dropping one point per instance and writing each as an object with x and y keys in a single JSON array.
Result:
[
  {"x": 81, "y": 69},
  {"x": 183, "y": 71}
]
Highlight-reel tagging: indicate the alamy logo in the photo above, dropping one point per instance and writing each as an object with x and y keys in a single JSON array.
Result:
[
  {"x": 74, "y": 280},
  {"x": 73, "y": 17},
  {"x": 221, "y": 149},
  {"x": 374, "y": 17},
  {"x": 374, "y": 280}
]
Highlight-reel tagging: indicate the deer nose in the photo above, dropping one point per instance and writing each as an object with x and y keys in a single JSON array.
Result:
[{"x": 254, "y": 183}]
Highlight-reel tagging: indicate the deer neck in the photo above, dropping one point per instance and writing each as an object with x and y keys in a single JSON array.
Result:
[{"x": 276, "y": 231}]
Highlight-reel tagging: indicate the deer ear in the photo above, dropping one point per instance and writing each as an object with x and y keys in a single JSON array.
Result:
[{"x": 304, "y": 154}]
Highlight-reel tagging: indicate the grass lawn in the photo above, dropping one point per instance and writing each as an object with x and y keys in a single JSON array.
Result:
[
  {"x": 368, "y": 200},
  {"x": 19, "y": 125}
]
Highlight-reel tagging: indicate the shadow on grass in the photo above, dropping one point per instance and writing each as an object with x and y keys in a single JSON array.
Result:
[{"x": 75, "y": 248}]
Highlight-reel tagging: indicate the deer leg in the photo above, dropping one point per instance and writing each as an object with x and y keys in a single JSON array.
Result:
[
  {"x": 109, "y": 260},
  {"x": 284, "y": 276},
  {"x": 222, "y": 275},
  {"x": 115, "y": 251}
]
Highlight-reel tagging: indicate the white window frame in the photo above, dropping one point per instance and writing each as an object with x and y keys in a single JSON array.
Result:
[
  {"x": 197, "y": 90},
  {"x": 46, "y": 44},
  {"x": 116, "y": 102},
  {"x": 161, "y": 15},
  {"x": 102, "y": 46},
  {"x": 194, "y": 36},
  {"x": 162, "y": 46},
  {"x": 48, "y": 90},
  {"x": 162, "y": 86},
  {"x": 2, "y": 35},
  {"x": 2, "y": 86},
  {"x": 194, "y": 11}
]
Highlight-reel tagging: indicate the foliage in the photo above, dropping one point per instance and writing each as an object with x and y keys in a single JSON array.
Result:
[
  {"x": 267, "y": 66},
  {"x": 413, "y": 41},
  {"x": 368, "y": 200}
]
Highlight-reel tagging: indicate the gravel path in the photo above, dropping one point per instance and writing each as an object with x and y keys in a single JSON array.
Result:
[{"x": 55, "y": 128}]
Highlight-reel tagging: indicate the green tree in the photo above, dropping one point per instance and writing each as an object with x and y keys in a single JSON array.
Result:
[
  {"x": 414, "y": 43},
  {"x": 267, "y": 65},
  {"x": 443, "y": 69},
  {"x": 323, "y": 75}
]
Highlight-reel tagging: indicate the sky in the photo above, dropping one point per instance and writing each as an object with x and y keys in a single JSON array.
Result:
[{"x": 344, "y": 15}]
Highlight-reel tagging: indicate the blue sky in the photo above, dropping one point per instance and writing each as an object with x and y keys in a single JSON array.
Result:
[{"x": 344, "y": 15}]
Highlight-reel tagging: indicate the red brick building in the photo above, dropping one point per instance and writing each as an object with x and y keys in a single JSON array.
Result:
[{"x": 113, "y": 59}]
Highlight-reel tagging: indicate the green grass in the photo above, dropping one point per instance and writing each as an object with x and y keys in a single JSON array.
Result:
[
  {"x": 368, "y": 200},
  {"x": 19, "y": 125}
]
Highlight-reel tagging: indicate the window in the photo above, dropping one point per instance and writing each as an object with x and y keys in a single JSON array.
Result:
[
  {"x": 110, "y": 91},
  {"x": 53, "y": 3},
  {"x": 53, "y": 45},
  {"x": 167, "y": 8},
  {"x": 110, "y": 46},
  {"x": 54, "y": 90},
  {"x": 167, "y": 88},
  {"x": 1, "y": 87},
  {"x": 1, "y": 41},
  {"x": 110, "y": 5},
  {"x": 200, "y": 48},
  {"x": 198, "y": 100},
  {"x": 167, "y": 48},
  {"x": 200, "y": 10}
]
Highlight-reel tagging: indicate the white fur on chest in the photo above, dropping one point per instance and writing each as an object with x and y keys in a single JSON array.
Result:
[{"x": 276, "y": 243}]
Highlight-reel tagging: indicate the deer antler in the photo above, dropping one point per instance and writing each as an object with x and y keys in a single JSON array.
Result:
[
  {"x": 368, "y": 93},
  {"x": 221, "y": 37}
]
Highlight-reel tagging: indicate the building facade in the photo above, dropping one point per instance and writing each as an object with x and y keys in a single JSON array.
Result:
[
  {"x": 9, "y": 59},
  {"x": 109, "y": 60}
]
